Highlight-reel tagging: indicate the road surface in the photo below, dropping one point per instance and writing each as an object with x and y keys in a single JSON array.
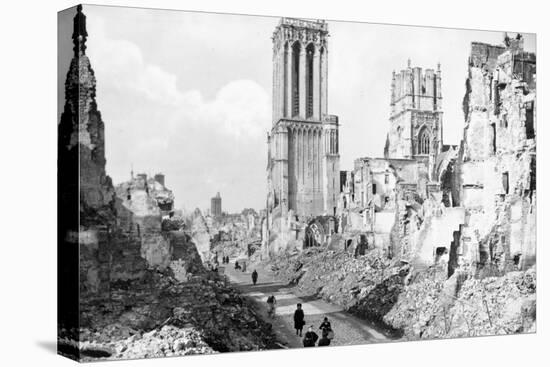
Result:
[{"x": 348, "y": 329}]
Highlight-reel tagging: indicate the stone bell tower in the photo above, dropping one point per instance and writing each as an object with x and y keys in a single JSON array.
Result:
[
  {"x": 416, "y": 113},
  {"x": 303, "y": 165}
]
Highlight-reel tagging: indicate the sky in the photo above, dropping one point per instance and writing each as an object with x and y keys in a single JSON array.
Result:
[{"x": 188, "y": 94}]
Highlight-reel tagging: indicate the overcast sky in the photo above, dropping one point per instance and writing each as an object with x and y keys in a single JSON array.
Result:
[{"x": 189, "y": 94}]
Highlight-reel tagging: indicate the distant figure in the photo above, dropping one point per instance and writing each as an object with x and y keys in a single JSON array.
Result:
[
  {"x": 310, "y": 338},
  {"x": 237, "y": 266},
  {"x": 244, "y": 267},
  {"x": 325, "y": 327},
  {"x": 254, "y": 277},
  {"x": 271, "y": 304},
  {"x": 299, "y": 319}
]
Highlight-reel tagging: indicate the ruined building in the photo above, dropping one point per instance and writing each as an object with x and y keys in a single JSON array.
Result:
[
  {"x": 216, "y": 205},
  {"x": 303, "y": 162},
  {"x": 496, "y": 171},
  {"x": 85, "y": 193}
]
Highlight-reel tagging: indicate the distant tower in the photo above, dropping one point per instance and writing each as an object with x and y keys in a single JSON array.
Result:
[
  {"x": 416, "y": 115},
  {"x": 303, "y": 163},
  {"x": 159, "y": 177},
  {"x": 216, "y": 205}
]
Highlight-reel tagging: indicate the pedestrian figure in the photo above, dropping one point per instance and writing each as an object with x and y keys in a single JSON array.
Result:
[
  {"x": 310, "y": 338},
  {"x": 271, "y": 303},
  {"x": 254, "y": 277},
  {"x": 244, "y": 266},
  {"x": 325, "y": 327},
  {"x": 299, "y": 319},
  {"x": 237, "y": 266}
]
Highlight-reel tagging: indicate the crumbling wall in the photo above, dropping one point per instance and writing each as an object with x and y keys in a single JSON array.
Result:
[{"x": 496, "y": 167}]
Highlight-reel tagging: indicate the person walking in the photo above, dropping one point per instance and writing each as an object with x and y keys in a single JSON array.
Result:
[
  {"x": 271, "y": 304},
  {"x": 310, "y": 338},
  {"x": 254, "y": 277},
  {"x": 299, "y": 319}
]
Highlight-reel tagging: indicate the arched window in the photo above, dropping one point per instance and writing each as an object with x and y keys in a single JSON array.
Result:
[
  {"x": 424, "y": 142},
  {"x": 310, "y": 50},
  {"x": 296, "y": 78}
]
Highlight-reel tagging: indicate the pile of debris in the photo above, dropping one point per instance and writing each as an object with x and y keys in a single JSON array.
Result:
[
  {"x": 119, "y": 342},
  {"x": 161, "y": 316},
  {"x": 435, "y": 307}
]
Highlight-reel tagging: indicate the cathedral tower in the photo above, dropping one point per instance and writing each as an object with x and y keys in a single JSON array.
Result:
[
  {"x": 416, "y": 114},
  {"x": 303, "y": 165}
]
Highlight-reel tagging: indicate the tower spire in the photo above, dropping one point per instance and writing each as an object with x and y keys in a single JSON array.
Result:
[{"x": 79, "y": 32}]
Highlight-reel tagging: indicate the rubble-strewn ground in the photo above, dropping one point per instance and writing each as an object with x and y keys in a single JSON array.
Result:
[
  {"x": 409, "y": 303},
  {"x": 489, "y": 306},
  {"x": 163, "y": 317}
]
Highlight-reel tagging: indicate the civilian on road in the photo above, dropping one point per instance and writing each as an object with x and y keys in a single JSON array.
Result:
[
  {"x": 271, "y": 304},
  {"x": 254, "y": 276},
  {"x": 310, "y": 338},
  {"x": 299, "y": 319}
]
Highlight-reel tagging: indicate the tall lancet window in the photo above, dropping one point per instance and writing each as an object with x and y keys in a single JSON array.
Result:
[
  {"x": 296, "y": 78},
  {"x": 286, "y": 60},
  {"x": 424, "y": 142},
  {"x": 310, "y": 50}
]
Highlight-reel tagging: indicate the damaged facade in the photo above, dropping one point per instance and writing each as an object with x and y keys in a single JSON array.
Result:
[{"x": 496, "y": 170}]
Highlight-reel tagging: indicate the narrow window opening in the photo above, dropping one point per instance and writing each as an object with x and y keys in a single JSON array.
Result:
[
  {"x": 529, "y": 121},
  {"x": 494, "y": 141},
  {"x": 309, "y": 74},
  {"x": 295, "y": 79},
  {"x": 504, "y": 121},
  {"x": 505, "y": 182},
  {"x": 424, "y": 142}
]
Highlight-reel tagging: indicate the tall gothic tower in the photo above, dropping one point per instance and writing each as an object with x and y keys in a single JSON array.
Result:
[
  {"x": 303, "y": 167},
  {"x": 416, "y": 115}
]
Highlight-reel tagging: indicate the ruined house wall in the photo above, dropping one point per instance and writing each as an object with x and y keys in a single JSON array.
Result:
[{"x": 496, "y": 163}]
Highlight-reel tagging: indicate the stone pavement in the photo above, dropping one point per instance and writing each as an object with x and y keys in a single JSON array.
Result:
[{"x": 348, "y": 329}]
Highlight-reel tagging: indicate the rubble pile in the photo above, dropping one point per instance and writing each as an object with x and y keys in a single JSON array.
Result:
[
  {"x": 432, "y": 307},
  {"x": 490, "y": 306},
  {"x": 119, "y": 342},
  {"x": 417, "y": 303},
  {"x": 336, "y": 276},
  {"x": 160, "y": 313}
]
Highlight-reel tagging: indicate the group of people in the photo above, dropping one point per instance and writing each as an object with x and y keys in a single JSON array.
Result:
[
  {"x": 311, "y": 337},
  {"x": 225, "y": 259}
]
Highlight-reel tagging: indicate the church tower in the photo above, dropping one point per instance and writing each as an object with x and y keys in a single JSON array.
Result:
[
  {"x": 303, "y": 165},
  {"x": 416, "y": 115}
]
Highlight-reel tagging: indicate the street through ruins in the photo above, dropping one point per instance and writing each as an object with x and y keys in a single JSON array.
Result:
[{"x": 348, "y": 329}]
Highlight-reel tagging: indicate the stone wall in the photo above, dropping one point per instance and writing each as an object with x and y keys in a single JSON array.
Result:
[{"x": 497, "y": 162}]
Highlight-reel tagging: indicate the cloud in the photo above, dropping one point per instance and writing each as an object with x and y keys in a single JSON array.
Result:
[{"x": 240, "y": 107}]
